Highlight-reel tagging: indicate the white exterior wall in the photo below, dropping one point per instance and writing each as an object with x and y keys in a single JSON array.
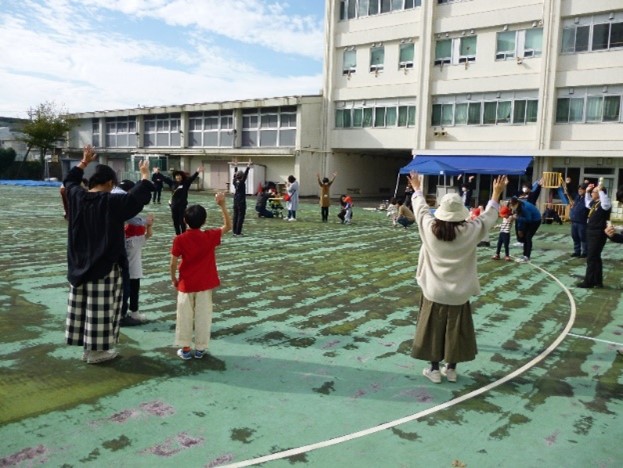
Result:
[{"x": 578, "y": 145}]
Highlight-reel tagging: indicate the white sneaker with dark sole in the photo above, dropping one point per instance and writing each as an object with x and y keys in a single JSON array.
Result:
[{"x": 97, "y": 357}]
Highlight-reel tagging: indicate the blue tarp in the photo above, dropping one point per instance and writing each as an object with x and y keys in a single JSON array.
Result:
[
  {"x": 32, "y": 183},
  {"x": 430, "y": 167},
  {"x": 507, "y": 165}
]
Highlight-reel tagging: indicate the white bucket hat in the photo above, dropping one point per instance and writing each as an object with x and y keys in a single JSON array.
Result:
[{"x": 451, "y": 209}]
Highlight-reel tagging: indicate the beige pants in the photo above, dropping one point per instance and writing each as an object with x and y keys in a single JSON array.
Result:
[{"x": 194, "y": 310}]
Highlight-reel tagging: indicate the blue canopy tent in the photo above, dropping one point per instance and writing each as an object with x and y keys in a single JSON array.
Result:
[{"x": 465, "y": 164}]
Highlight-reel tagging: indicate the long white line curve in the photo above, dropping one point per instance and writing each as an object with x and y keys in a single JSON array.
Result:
[{"x": 421, "y": 414}]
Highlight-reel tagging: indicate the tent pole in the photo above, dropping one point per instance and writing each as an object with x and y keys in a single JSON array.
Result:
[{"x": 397, "y": 182}]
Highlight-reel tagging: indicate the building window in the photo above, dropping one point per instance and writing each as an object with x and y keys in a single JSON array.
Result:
[
  {"x": 350, "y": 9},
  {"x": 377, "y": 58},
  {"x": 162, "y": 130},
  {"x": 95, "y": 132},
  {"x": 505, "y": 45},
  {"x": 589, "y": 105},
  {"x": 269, "y": 127},
  {"x": 483, "y": 110},
  {"x": 379, "y": 114},
  {"x": 593, "y": 33},
  {"x": 349, "y": 65},
  {"x": 211, "y": 129},
  {"x": 406, "y": 55},
  {"x": 120, "y": 132},
  {"x": 454, "y": 51},
  {"x": 533, "y": 43},
  {"x": 521, "y": 44}
]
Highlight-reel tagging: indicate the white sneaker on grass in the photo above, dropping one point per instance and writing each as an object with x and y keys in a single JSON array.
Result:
[
  {"x": 433, "y": 375},
  {"x": 448, "y": 373}
]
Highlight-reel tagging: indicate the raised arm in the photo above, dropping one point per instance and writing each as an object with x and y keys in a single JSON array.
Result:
[{"x": 220, "y": 201}]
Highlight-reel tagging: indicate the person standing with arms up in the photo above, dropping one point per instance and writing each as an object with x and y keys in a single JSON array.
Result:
[
  {"x": 179, "y": 198},
  {"x": 240, "y": 198},
  {"x": 599, "y": 207},
  {"x": 196, "y": 279},
  {"x": 292, "y": 203},
  {"x": 325, "y": 196},
  {"x": 448, "y": 277},
  {"x": 96, "y": 254}
]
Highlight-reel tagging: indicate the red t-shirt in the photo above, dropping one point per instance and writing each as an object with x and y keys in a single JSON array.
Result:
[{"x": 197, "y": 270}]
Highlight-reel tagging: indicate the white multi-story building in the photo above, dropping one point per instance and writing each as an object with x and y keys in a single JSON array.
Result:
[{"x": 542, "y": 78}]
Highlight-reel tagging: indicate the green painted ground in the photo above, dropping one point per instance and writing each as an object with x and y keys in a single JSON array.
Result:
[{"x": 311, "y": 340}]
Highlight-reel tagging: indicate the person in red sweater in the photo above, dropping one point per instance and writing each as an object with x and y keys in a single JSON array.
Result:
[{"x": 195, "y": 252}]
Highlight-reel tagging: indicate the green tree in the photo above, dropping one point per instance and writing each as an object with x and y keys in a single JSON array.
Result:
[
  {"x": 7, "y": 157},
  {"x": 46, "y": 129}
]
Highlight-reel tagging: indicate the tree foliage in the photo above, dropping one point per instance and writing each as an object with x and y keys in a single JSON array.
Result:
[
  {"x": 46, "y": 129},
  {"x": 7, "y": 157}
]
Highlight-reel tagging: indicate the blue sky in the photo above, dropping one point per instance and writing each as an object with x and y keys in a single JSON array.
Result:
[{"x": 88, "y": 55}]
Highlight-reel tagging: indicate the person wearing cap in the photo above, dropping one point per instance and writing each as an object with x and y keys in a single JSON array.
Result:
[
  {"x": 528, "y": 219},
  {"x": 448, "y": 277},
  {"x": 599, "y": 207},
  {"x": 578, "y": 214},
  {"x": 504, "y": 238}
]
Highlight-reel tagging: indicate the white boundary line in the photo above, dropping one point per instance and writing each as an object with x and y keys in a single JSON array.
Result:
[
  {"x": 595, "y": 339},
  {"x": 421, "y": 414}
]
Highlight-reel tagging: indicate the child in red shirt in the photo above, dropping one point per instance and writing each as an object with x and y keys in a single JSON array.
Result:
[{"x": 197, "y": 278}]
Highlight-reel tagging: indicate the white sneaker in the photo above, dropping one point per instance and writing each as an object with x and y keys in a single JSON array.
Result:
[
  {"x": 433, "y": 375},
  {"x": 518, "y": 244},
  {"x": 448, "y": 373},
  {"x": 95, "y": 357},
  {"x": 137, "y": 316},
  {"x": 523, "y": 259},
  {"x": 292, "y": 219}
]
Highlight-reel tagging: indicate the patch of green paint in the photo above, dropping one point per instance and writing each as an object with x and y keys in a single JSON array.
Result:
[
  {"x": 117, "y": 444},
  {"x": 583, "y": 425},
  {"x": 268, "y": 337},
  {"x": 350, "y": 346},
  {"x": 242, "y": 434},
  {"x": 94, "y": 455},
  {"x": 302, "y": 342},
  {"x": 300, "y": 458},
  {"x": 511, "y": 345},
  {"x": 326, "y": 388},
  {"x": 410, "y": 436}
]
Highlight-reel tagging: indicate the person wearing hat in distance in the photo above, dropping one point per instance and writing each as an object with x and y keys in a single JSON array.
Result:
[
  {"x": 528, "y": 218},
  {"x": 504, "y": 238},
  {"x": 599, "y": 207},
  {"x": 579, "y": 215},
  {"x": 448, "y": 277}
]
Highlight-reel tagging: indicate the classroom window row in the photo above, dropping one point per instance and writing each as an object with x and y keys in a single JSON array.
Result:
[
  {"x": 593, "y": 33},
  {"x": 485, "y": 109},
  {"x": 269, "y": 127},
  {"x": 379, "y": 114},
  {"x": 589, "y": 105},
  {"x": 211, "y": 129},
  {"x": 351, "y": 9}
]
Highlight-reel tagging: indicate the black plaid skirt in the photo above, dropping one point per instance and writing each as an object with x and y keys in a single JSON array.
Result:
[{"x": 93, "y": 312}]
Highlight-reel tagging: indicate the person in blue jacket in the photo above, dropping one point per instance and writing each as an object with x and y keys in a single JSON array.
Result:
[{"x": 528, "y": 220}]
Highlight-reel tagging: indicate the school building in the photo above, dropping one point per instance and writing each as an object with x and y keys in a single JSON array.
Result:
[{"x": 404, "y": 78}]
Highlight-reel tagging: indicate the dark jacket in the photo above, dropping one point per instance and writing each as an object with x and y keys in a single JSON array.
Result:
[
  {"x": 240, "y": 185},
  {"x": 95, "y": 235},
  {"x": 579, "y": 212},
  {"x": 179, "y": 198}
]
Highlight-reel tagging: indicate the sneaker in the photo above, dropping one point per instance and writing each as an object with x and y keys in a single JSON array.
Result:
[
  {"x": 433, "y": 375},
  {"x": 495, "y": 257},
  {"x": 523, "y": 259},
  {"x": 96, "y": 357},
  {"x": 507, "y": 258},
  {"x": 185, "y": 355},
  {"x": 518, "y": 244},
  {"x": 448, "y": 373},
  {"x": 199, "y": 353},
  {"x": 128, "y": 321},
  {"x": 137, "y": 316},
  {"x": 291, "y": 219}
]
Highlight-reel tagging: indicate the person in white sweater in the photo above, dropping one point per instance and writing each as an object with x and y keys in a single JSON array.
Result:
[{"x": 448, "y": 277}]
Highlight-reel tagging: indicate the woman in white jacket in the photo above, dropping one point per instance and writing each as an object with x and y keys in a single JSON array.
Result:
[{"x": 447, "y": 275}]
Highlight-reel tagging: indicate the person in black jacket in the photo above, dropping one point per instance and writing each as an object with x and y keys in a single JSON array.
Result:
[
  {"x": 579, "y": 215},
  {"x": 240, "y": 198},
  {"x": 179, "y": 198},
  {"x": 96, "y": 255},
  {"x": 159, "y": 179},
  {"x": 599, "y": 206}
]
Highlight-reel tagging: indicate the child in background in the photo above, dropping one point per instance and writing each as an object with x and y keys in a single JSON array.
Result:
[
  {"x": 346, "y": 213},
  {"x": 197, "y": 278},
  {"x": 137, "y": 230},
  {"x": 504, "y": 238}
]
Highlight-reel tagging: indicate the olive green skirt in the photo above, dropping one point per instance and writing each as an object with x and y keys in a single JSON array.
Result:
[{"x": 444, "y": 333}]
